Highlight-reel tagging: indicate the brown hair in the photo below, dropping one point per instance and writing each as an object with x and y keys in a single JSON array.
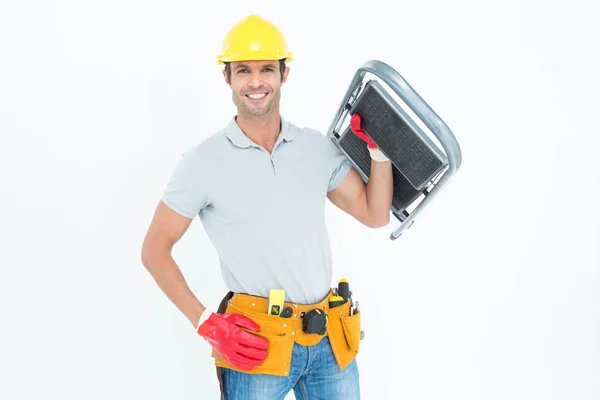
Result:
[{"x": 227, "y": 69}]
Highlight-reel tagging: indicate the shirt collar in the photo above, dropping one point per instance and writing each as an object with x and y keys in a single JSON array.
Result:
[{"x": 239, "y": 138}]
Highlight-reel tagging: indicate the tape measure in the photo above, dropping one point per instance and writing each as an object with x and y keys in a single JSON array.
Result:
[{"x": 315, "y": 321}]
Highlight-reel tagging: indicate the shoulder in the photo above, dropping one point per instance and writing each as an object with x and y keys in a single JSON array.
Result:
[
  {"x": 198, "y": 159},
  {"x": 309, "y": 135},
  {"x": 208, "y": 147},
  {"x": 315, "y": 139}
]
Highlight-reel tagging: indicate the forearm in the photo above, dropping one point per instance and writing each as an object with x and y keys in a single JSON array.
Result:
[
  {"x": 380, "y": 189},
  {"x": 169, "y": 278}
]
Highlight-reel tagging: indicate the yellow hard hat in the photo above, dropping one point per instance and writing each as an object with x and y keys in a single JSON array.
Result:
[{"x": 254, "y": 38}]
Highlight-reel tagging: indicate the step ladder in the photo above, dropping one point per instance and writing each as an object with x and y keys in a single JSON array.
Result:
[{"x": 421, "y": 167}]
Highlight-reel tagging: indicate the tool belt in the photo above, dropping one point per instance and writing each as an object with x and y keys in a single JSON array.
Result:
[{"x": 342, "y": 329}]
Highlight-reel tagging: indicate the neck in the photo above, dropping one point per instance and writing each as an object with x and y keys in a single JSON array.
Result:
[{"x": 263, "y": 131}]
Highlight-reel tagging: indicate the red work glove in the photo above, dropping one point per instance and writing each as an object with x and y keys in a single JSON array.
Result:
[
  {"x": 374, "y": 151},
  {"x": 239, "y": 348}
]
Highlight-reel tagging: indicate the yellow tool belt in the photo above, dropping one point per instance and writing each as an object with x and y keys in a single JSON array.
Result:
[{"x": 343, "y": 331}]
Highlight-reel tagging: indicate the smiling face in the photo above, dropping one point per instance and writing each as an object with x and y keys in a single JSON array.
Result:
[{"x": 256, "y": 86}]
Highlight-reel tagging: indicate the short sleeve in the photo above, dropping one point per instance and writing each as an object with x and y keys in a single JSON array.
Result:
[
  {"x": 186, "y": 191},
  {"x": 338, "y": 165}
]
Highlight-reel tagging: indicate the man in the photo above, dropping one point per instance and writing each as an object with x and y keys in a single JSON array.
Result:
[{"x": 259, "y": 187}]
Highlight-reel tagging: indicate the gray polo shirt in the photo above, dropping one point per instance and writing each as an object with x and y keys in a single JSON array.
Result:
[{"x": 264, "y": 213}]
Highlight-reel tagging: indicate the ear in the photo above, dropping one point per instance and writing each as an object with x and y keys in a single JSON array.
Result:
[
  {"x": 285, "y": 75},
  {"x": 225, "y": 76}
]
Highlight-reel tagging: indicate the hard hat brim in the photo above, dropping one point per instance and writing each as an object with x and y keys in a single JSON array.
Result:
[{"x": 255, "y": 57}]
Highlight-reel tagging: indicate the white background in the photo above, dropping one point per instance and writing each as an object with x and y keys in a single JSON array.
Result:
[{"x": 492, "y": 294}]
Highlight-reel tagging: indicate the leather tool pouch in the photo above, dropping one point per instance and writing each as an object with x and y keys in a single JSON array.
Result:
[
  {"x": 275, "y": 329},
  {"x": 344, "y": 334},
  {"x": 343, "y": 331}
]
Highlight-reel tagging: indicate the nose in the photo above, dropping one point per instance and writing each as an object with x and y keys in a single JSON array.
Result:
[{"x": 255, "y": 79}]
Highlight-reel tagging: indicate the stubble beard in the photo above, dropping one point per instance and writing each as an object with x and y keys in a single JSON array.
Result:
[{"x": 256, "y": 111}]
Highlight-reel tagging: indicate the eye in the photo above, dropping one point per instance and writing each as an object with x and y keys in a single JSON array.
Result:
[
  {"x": 268, "y": 69},
  {"x": 242, "y": 70}
]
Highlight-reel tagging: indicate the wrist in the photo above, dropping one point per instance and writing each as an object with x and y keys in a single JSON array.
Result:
[
  {"x": 203, "y": 317},
  {"x": 377, "y": 155}
]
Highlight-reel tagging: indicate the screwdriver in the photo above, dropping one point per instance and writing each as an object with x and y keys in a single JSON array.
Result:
[{"x": 344, "y": 289}]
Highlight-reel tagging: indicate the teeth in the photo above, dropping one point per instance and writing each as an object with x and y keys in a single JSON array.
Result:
[{"x": 256, "y": 95}]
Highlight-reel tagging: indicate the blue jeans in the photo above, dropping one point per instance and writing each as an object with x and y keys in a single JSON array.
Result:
[{"x": 314, "y": 375}]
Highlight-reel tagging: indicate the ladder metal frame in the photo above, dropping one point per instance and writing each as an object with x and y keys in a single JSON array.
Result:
[{"x": 413, "y": 100}]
